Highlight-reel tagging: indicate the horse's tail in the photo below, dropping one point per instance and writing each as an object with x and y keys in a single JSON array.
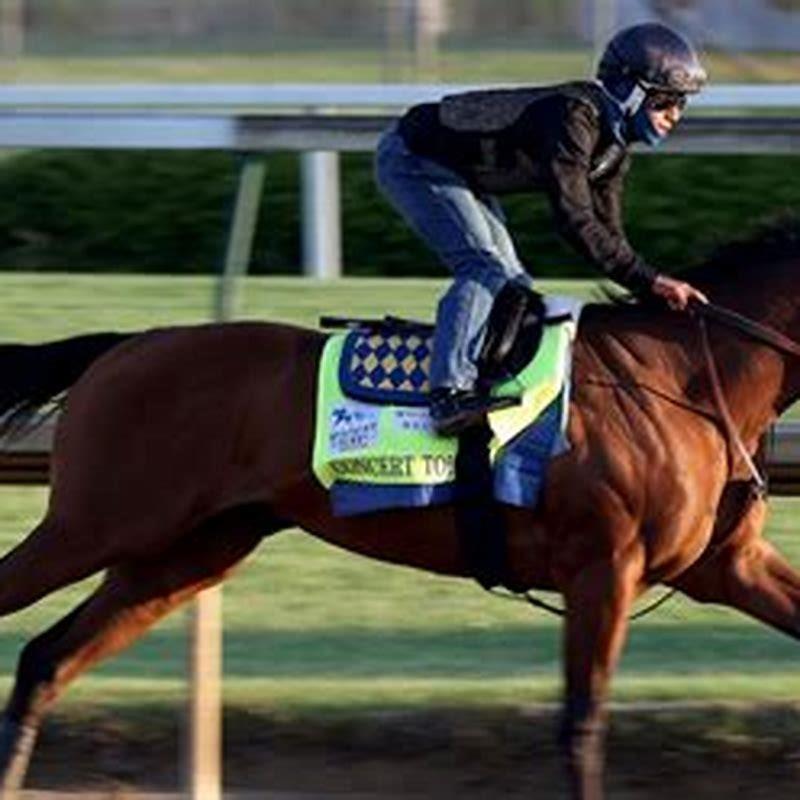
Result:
[{"x": 33, "y": 375}]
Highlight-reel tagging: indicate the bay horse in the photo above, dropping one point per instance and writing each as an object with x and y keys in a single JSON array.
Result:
[{"x": 180, "y": 449}]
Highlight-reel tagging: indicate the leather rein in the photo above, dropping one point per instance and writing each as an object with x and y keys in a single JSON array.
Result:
[{"x": 753, "y": 330}]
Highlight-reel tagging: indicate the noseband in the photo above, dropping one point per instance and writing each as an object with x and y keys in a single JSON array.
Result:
[{"x": 753, "y": 330}]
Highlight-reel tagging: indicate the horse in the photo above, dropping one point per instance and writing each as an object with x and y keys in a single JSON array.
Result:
[{"x": 180, "y": 449}]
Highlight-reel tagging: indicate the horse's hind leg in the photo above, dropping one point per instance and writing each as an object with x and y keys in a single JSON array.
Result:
[
  {"x": 49, "y": 558},
  {"x": 132, "y": 598}
]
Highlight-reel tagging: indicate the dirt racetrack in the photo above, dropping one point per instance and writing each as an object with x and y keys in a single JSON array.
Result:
[{"x": 657, "y": 753}]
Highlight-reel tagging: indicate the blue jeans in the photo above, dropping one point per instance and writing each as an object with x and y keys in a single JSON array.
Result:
[{"x": 468, "y": 233}]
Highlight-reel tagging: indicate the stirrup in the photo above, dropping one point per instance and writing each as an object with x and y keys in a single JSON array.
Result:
[{"x": 453, "y": 412}]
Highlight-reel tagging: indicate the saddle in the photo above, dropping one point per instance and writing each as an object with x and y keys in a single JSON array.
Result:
[{"x": 388, "y": 361}]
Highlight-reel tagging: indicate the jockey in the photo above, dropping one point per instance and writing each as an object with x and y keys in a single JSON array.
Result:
[{"x": 442, "y": 164}]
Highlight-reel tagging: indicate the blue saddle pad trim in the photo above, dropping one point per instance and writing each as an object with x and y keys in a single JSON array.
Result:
[
  {"x": 348, "y": 499},
  {"x": 395, "y": 372},
  {"x": 520, "y": 467}
]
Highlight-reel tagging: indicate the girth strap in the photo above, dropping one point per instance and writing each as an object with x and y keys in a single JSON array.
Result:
[
  {"x": 479, "y": 521},
  {"x": 760, "y": 333}
]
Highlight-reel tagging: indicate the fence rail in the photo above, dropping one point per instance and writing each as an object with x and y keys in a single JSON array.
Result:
[
  {"x": 339, "y": 117},
  {"x": 320, "y": 98},
  {"x": 343, "y": 132}
]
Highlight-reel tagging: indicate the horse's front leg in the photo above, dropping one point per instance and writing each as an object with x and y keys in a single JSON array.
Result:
[
  {"x": 749, "y": 574},
  {"x": 598, "y": 599}
]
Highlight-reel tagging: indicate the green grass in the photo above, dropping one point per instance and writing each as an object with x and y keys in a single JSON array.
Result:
[
  {"x": 311, "y": 628},
  {"x": 323, "y": 65},
  {"x": 39, "y": 306},
  {"x": 331, "y": 64},
  {"x": 167, "y": 212}
]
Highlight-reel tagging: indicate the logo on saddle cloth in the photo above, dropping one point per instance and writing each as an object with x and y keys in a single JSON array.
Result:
[{"x": 374, "y": 445}]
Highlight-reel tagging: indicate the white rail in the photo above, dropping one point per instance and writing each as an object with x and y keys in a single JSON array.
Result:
[{"x": 320, "y": 98}]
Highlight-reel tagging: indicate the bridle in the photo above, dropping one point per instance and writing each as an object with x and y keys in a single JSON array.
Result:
[{"x": 753, "y": 330}]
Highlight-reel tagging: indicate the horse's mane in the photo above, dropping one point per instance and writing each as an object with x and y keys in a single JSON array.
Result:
[{"x": 773, "y": 241}]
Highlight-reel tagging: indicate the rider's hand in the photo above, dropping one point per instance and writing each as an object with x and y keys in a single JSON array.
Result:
[{"x": 678, "y": 294}]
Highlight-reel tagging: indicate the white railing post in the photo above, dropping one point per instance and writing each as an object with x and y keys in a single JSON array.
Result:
[
  {"x": 322, "y": 238},
  {"x": 240, "y": 235},
  {"x": 429, "y": 22},
  {"x": 204, "y": 745},
  {"x": 605, "y": 25},
  {"x": 204, "y": 762}
]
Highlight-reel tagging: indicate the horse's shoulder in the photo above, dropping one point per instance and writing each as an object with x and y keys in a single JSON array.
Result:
[
  {"x": 624, "y": 320},
  {"x": 597, "y": 320}
]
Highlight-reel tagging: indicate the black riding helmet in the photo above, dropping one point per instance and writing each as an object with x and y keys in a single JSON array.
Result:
[{"x": 654, "y": 56}]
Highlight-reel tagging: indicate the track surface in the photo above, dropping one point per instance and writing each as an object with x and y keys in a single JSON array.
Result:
[{"x": 656, "y": 752}]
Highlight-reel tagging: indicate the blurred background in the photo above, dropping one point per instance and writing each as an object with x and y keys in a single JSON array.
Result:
[
  {"x": 340, "y": 660},
  {"x": 692, "y": 203},
  {"x": 378, "y": 40}
]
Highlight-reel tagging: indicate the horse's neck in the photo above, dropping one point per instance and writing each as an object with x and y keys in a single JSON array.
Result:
[
  {"x": 751, "y": 380},
  {"x": 635, "y": 346},
  {"x": 756, "y": 371},
  {"x": 663, "y": 352}
]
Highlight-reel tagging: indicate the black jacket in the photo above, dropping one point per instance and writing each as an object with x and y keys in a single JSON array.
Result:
[{"x": 555, "y": 139}]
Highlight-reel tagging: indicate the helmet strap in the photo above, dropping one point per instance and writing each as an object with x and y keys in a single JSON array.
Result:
[{"x": 626, "y": 93}]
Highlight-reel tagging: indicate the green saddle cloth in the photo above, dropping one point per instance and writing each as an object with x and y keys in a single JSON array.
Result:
[{"x": 393, "y": 444}]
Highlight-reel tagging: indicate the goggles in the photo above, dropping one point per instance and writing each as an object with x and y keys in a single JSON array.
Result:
[{"x": 656, "y": 100}]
